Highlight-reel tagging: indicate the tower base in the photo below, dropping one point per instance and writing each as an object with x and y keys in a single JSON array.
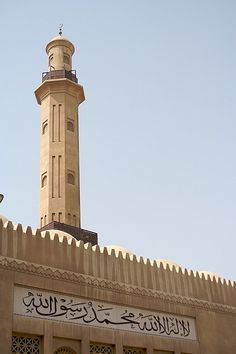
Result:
[{"x": 80, "y": 234}]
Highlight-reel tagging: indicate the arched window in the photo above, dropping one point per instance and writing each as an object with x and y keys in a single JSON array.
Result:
[
  {"x": 64, "y": 350},
  {"x": 45, "y": 127},
  {"x": 70, "y": 178},
  {"x": 66, "y": 59},
  {"x": 44, "y": 180},
  {"x": 50, "y": 58},
  {"x": 70, "y": 126}
]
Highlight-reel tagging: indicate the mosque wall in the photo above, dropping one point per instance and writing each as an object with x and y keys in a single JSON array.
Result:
[{"x": 168, "y": 304}]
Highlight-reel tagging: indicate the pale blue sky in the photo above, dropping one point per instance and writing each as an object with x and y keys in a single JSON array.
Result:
[{"x": 157, "y": 147}]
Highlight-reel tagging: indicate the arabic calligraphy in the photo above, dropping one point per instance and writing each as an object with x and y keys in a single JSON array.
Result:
[{"x": 42, "y": 304}]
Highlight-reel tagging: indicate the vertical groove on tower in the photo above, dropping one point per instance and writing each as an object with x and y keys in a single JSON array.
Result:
[
  {"x": 53, "y": 176},
  {"x": 53, "y": 123},
  {"x": 59, "y": 176},
  {"x": 59, "y": 122}
]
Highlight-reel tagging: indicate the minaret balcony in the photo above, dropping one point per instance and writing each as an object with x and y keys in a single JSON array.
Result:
[{"x": 59, "y": 74}]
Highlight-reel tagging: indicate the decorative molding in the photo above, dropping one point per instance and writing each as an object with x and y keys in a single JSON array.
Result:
[{"x": 104, "y": 284}]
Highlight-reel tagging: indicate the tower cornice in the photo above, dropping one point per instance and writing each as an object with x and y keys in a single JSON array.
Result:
[{"x": 59, "y": 86}]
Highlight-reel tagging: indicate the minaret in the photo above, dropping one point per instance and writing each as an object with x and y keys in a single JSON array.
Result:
[{"x": 60, "y": 96}]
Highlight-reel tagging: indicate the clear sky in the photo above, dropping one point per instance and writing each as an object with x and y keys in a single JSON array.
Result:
[{"x": 157, "y": 129}]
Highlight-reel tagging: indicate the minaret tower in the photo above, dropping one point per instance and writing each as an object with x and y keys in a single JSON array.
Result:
[{"x": 60, "y": 96}]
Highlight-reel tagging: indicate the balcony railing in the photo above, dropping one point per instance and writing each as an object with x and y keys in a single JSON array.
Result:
[{"x": 59, "y": 74}]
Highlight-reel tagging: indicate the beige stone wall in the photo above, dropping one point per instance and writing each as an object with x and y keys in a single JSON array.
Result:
[
  {"x": 29, "y": 260},
  {"x": 87, "y": 260}
]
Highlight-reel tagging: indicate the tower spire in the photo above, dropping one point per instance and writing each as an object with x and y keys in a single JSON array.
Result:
[{"x": 60, "y": 29}]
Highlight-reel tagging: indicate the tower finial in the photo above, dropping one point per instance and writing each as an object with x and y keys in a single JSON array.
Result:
[{"x": 60, "y": 29}]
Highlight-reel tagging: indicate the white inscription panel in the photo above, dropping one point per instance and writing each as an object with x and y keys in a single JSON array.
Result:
[{"x": 59, "y": 307}]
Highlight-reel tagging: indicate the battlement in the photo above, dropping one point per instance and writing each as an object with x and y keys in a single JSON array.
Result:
[{"x": 75, "y": 256}]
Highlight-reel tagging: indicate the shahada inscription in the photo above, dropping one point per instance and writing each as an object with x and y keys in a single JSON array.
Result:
[{"x": 59, "y": 307}]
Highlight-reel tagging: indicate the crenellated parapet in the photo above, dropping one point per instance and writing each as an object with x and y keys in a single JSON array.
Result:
[{"x": 77, "y": 261}]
